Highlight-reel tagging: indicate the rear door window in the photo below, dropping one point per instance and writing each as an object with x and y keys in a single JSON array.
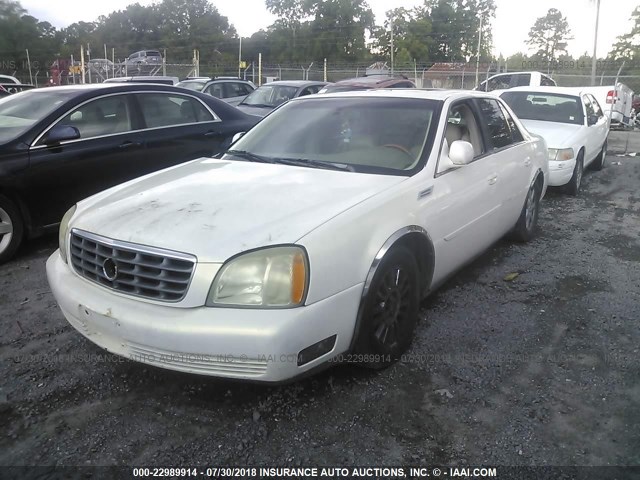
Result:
[
  {"x": 522, "y": 80},
  {"x": 216, "y": 90},
  {"x": 162, "y": 110},
  {"x": 235, "y": 89}
]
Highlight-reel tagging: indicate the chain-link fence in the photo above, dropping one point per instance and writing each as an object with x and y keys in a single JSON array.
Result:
[{"x": 184, "y": 64}]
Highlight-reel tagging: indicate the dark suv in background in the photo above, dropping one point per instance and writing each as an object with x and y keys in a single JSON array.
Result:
[{"x": 368, "y": 83}]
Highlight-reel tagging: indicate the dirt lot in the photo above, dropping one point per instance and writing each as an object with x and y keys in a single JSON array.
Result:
[{"x": 540, "y": 369}]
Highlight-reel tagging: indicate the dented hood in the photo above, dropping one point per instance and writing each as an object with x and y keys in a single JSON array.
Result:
[{"x": 215, "y": 209}]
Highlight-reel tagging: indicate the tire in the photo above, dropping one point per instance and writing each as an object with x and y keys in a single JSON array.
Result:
[
  {"x": 600, "y": 161},
  {"x": 11, "y": 229},
  {"x": 390, "y": 310},
  {"x": 573, "y": 187},
  {"x": 526, "y": 225}
]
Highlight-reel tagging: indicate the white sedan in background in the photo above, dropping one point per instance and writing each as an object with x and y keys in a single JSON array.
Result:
[
  {"x": 572, "y": 123},
  {"x": 310, "y": 242}
]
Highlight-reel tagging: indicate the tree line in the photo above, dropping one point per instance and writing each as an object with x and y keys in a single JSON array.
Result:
[{"x": 342, "y": 31}]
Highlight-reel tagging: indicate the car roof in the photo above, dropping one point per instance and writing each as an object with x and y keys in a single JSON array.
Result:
[
  {"x": 295, "y": 83},
  {"x": 372, "y": 80},
  {"x": 88, "y": 89},
  {"x": 228, "y": 79},
  {"x": 519, "y": 73},
  {"x": 414, "y": 93}
]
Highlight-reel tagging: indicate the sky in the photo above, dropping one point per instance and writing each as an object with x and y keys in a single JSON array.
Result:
[{"x": 511, "y": 26}]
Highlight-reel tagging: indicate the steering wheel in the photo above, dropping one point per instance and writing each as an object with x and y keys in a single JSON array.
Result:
[{"x": 401, "y": 148}]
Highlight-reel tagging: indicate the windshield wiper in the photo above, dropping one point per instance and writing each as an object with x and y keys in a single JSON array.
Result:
[
  {"x": 258, "y": 105},
  {"x": 307, "y": 162},
  {"x": 252, "y": 157}
]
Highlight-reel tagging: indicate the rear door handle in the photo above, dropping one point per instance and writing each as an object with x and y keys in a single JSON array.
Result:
[
  {"x": 493, "y": 179},
  {"x": 130, "y": 145}
]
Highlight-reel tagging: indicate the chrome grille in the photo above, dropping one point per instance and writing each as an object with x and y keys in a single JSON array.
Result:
[{"x": 139, "y": 270}]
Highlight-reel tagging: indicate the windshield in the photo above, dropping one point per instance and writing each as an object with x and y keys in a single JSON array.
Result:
[
  {"x": 21, "y": 111},
  {"x": 270, "y": 95},
  {"x": 372, "y": 135},
  {"x": 191, "y": 85},
  {"x": 546, "y": 107}
]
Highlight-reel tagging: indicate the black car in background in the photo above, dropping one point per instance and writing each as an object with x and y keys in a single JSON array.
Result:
[{"x": 59, "y": 145}]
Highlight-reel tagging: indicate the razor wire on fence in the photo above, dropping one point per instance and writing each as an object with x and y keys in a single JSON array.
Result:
[{"x": 425, "y": 75}]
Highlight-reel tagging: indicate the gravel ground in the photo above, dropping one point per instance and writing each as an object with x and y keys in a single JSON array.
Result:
[{"x": 538, "y": 368}]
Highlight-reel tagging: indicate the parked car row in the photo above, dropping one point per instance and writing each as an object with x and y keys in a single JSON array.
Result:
[
  {"x": 573, "y": 125},
  {"x": 61, "y": 144},
  {"x": 276, "y": 245}
]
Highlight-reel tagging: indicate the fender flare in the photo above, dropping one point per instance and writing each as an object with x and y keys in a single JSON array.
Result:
[{"x": 396, "y": 237}]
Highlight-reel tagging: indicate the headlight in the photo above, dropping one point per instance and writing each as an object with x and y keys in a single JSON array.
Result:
[
  {"x": 275, "y": 277},
  {"x": 560, "y": 155},
  {"x": 63, "y": 233}
]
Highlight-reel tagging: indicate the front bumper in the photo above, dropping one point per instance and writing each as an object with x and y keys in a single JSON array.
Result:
[
  {"x": 561, "y": 172},
  {"x": 247, "y": 344}
]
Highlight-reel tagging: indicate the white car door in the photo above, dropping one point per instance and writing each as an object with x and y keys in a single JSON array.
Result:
[
  {"x": 511, "y": 160},
  {"x": 602, "y": 126},
  {"x": 596, "y": 129},
  {"x": 460, "y": 210}
]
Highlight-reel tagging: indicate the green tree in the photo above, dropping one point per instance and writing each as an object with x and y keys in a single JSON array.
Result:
[
  {"x": 627, "y": 46},
  {"x": 549, "y": 35},
  {"x": 411, "y": 36}
]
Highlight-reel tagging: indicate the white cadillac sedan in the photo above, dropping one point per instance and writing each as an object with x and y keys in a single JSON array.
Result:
[
  {"x": 310, "y": 242},
  {"x": 572, "y": 123}
]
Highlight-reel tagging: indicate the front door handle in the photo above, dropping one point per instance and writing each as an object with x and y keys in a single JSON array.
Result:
[
  {"x": 130, "y": 145},
  {"x": 211, "y": 133},
  {"x": 493, "y": 179}
]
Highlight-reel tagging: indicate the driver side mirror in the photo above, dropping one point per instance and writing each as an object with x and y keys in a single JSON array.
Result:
[
  {"x": 61, "y": 133},
  {"x": 461, "y": 153},
  {"x": 592, "y": 120},
  {"x": 237, "y": 137}
]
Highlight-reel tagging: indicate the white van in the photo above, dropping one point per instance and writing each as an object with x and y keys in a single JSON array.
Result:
[
  {"x": 616, "y": 102},
  {"x": 504, "y": 81}
]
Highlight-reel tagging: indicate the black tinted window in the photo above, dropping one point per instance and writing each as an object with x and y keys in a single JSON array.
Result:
[
  {"x": 523, "y": 80},
  {"x": 547, "y": 107},
  {"x": 499, "y": 132},
  {"x": 547, "y": 82},
  {"x": 501, "y": 82},
  {"x": 596, "y": 106},
  {"x": 516, "y": 135}
]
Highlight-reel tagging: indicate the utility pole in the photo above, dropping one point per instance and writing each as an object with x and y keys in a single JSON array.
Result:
[
  {"x": 478, "y": 52},
  {"x": 391, "y": 23},
  {"x": 595, "y": 46},
  {"x": 84, "y": 78},
  {"x": 240, "y": 57}
]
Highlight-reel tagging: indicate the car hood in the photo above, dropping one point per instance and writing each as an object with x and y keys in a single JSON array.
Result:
[
  {"x": 557, "y": 135},
  {"x": 215, "y": 209}
]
